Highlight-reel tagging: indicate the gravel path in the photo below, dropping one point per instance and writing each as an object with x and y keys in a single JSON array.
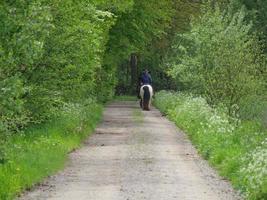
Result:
[{"x": 134, "y": 155}]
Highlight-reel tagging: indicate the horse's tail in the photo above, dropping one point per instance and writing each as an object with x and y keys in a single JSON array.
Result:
[{"x": 146, "y": 98}]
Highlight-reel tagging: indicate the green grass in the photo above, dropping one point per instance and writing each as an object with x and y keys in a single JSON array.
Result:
[
  {"x": 43, "y": 149},
  {"x": 125, "y": 98},
  {"x": 237, "y": 150}
]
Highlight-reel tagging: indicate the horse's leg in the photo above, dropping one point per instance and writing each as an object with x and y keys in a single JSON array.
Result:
[
  {"x": 146, "y": 105},
  {"x": 141, "y": 103}
]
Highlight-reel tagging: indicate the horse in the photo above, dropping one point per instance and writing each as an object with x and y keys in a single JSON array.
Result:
[{"x": 146, "y": 93}]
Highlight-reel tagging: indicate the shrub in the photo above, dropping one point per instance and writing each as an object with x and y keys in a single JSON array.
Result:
[
  {"x": 255, "y": 172},
  {"x": 220, "y": 58}
]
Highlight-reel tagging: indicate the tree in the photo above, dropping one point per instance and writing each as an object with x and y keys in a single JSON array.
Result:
[
  {"x": 219, "y": 57},
  {"x": 134, "y": 32}
]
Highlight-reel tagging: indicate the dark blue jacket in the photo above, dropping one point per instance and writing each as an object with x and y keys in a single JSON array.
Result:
[{"x": 146, "y": 79}]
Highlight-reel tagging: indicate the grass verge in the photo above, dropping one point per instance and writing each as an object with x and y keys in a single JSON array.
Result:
[
  {"x": 125, "y": 98},
  {"x": 237, "y": 149},
  {"x": 43, "y": 149}
]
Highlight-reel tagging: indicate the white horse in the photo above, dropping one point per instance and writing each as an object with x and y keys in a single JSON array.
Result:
[{"x": 146, "y": 93}]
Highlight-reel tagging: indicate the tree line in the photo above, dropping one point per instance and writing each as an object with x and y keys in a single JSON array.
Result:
[{"x": 57, "y": 52}]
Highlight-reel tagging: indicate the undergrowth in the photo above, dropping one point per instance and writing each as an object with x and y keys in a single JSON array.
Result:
[
  {"x": 41, "y": 150},
  {"x": 237, "y": 149}
]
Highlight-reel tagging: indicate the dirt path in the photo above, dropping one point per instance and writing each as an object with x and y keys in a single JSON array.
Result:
[{"x": 134, "y": 155}]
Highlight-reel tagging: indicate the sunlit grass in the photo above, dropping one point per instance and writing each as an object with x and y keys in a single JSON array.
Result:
[
  {"x": 43, "y": 149},
  {"x": 126, "y": 98}
]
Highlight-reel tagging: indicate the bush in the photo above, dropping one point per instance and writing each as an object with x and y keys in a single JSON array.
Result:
[
  {"x": 12, "y": 111},
  {"x": 255, "y": 172},
  {"x": 236, "y": 148},
  {"x": 220, "y": 58},
  {"x": 50, "y": 54}
]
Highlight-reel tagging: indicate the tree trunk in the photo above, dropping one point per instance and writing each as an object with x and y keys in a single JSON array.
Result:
[
  {"x": 133, "y": 64},
  {"x": 127, "y": 73}
]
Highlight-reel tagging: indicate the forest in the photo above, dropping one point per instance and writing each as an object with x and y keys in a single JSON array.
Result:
[{"x": 61, "y": 61}]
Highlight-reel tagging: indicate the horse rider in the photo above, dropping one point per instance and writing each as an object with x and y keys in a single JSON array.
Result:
[{"x": 146, "y": 78}]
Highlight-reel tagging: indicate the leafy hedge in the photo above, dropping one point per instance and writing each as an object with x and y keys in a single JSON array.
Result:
[
  {"x": 238, "y": 149},
  {"x": 50, "y": 53}
]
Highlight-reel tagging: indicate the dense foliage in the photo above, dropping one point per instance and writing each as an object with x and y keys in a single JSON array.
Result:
[
  {"x": 150, "y": 34},
  {"x": 237, "y": 150},
  {"x": 221, "y": 59},
  {"x": 55, "y": 52},
  {"x": 51, "y": 52}
]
